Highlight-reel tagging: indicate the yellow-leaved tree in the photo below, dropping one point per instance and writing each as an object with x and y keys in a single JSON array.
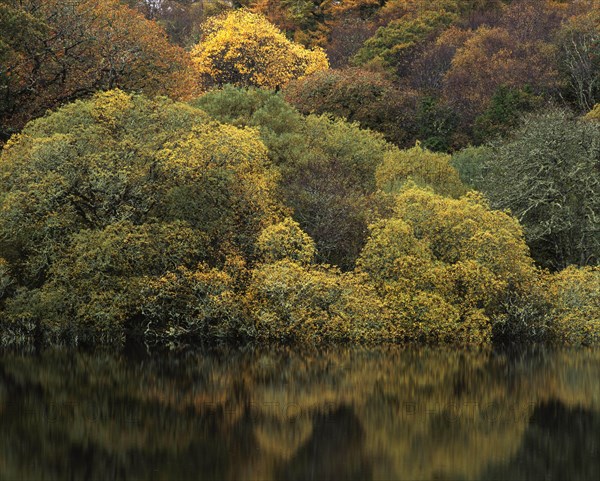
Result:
[
  {"x": 447, "y": 268},
  {"x": 244, "y": 49}
]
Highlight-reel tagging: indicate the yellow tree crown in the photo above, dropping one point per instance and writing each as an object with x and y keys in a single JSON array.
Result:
[{"x": 244, "y": 49}]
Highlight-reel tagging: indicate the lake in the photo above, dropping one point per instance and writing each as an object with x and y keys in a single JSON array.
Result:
[{"x": 386, "y": 413}]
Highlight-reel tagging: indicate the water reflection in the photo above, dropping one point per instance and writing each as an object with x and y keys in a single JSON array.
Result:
[{"x": 343, "y": 414}]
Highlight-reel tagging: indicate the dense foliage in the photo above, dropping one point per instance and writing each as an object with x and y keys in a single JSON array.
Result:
[
  {"x": 143, "y": 189},
  {"x": 446, "y": 267},
  {"x": 327, "y": 167},
  {"x": 468, "y": 69},
  {"x": 52, "y": 52},
  {"x": 289, "y": 202},
  {"x": 244, "y": 49},
  {"x": 358, "y": 95},
  {"x": 547, "y": 174}
]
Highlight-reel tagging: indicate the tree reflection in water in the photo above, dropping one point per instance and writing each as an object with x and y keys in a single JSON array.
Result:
[{"x": 343, "y": 414}]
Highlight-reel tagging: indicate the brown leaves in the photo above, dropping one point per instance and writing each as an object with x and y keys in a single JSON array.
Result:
[{"x": 85, "y": 46}]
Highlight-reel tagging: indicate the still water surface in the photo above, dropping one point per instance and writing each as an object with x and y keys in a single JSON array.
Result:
[{"x": 342, "y": 414}]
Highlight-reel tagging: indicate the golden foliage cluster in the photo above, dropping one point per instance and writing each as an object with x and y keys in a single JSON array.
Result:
[
  {"x": 244, "y": 49},
  {"x": 593, "y": 114},
  {"x": 422, "y": 167},
  {"x": 574, "y": 298},
  {"x": 286, "y": 240},
  {"x": 444, "y": 266}
]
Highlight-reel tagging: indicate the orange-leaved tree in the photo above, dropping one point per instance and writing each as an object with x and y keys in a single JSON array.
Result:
[{"x": 53, "y": 52}]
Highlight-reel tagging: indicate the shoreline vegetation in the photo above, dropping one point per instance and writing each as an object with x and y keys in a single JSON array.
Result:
[{"x": 262, "y": 196}]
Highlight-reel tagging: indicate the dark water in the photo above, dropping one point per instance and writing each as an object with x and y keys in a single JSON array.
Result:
[{"x": 344, "y": 414}]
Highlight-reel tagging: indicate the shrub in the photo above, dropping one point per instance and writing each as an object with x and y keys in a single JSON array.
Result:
[
  {"x": 574, "y": 297},
  {"x": 102, "y": 195},
  {"x": 313, "y": 305},
  {"x": 193, "y": 303},
  {"x": 594, "y": 114},
  {"x": 6, "y": 280},
  {"x": 94, "y": 289}
]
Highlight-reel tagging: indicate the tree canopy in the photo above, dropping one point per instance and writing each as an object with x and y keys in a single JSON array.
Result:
[
  {"x": 547, "y": 175},
  {"x": 52, "y": 52},
  {"x": 447, "y": 266},
  {"x": 244, "y": 49},
  {"x": 104, "y": 194}
]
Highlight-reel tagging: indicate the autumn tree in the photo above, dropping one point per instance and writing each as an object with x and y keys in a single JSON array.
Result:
[
  {"x": 467, "y": 10},
  {"x": 446, "y": 267},
  {"x": 430, "y": 67},
  {"x": 310, "y": 22},
  {"x": 517, "y": 50},
  {"x": 360, "y": 8},
  {"x": 244, "y": 49},
  {"x": 327, "y": 167},
  {"x": 346, "y": 37},
  {"x": 54, "y": 52},
  {"x": 490, "y": 59},
  {"x": 395, "y": 45},
  {"x": 301, "y": 20},
  {"x": 357, "y": 95},
  {"x": 396, "y": 9},
  {"x": 329, "y": 179},
  {"x": 349, "y": 24},
  {"x": 106, "y": 197}
]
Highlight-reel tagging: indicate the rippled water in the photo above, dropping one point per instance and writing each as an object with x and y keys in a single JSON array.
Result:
[{"x": 341, "y": 414}]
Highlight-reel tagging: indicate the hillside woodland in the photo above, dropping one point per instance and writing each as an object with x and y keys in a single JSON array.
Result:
[{"x": 299, "y": 171}]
